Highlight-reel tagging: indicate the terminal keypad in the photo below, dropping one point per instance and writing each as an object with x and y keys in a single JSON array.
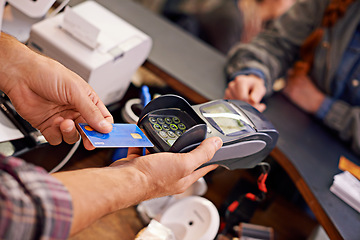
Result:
[{"x": 169, "y": 128}]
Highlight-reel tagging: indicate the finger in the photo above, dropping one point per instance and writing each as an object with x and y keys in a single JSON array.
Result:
[
  {"x": 193, "y": 177},
  {"x": 203, "y": 171},
  {"x": 105, "y": 112},
  {"x": 137, "y": 151},
  {"x": 260, "y": 107},
  {"x": 71, "y": 136},
  {"x": 69, "y": 131},
  {"x": 231, "y": 90},
  {"x": 87, "y": 144},
  {"x": 203, "y": 153},
  {"x": 87, "y": 105},
  {"x": 53, "y": 134},
  {"x": 257, "y": 93},
  {"x": 240, "y": 89},
  {"x": 228, "y": 94}
]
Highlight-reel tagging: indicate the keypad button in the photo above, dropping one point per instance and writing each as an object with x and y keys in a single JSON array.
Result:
[
  {"x": 166, "y": 127},
  {"x": 171, "y": 141},
  {"x": 163, "y": 134},
  {"x": 152, "y": 120},
  {"x": 181, "y": 126},
  {"x": 157, "y": 127},
  {"x": 171, "y": 134},
  {"x": 168, "y": 120},
  {"x": 176, "y": 120},
  {"x": 160, "y": 120},
  {"x": 173, "y": 127},
  {"x": 178, "y": 132}
]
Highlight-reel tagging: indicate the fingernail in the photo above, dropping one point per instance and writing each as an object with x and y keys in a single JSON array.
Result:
[
  {"x": 69, "y": 129},
  {"x": 218, "y": 142},
  {"x": 104, "y": 123}
]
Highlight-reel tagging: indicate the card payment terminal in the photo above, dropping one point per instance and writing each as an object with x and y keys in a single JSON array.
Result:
[{"x": 173, "y": 125}]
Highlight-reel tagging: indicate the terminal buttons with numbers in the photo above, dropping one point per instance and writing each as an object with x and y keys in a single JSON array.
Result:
[{"x": 169, "y": 128}]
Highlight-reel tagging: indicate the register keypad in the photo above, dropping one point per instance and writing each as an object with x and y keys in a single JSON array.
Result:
[{"x": 168, "y": 128}]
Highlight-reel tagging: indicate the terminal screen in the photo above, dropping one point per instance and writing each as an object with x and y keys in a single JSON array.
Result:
[{"x": 228, "y": 121}]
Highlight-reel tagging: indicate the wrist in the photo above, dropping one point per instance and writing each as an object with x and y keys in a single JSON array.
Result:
[
  {"x": 317, "y": 103},
  {"x": 131, "y": 184},
  {"x": 15, "y": 57},
  {"x": 324, "y": 108},
  {"x": 250, "y": 72}
]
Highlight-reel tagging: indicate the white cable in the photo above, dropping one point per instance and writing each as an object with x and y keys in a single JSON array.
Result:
[
  {"x": 265, "y": 164},
  {"x": 67, "y": 158},
  {"x": 127, "y": 113}
]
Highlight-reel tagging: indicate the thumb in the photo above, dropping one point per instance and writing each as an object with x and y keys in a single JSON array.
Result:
[
  {"x": 204, "y": 152},
  {"x": 93, "y": 110}
]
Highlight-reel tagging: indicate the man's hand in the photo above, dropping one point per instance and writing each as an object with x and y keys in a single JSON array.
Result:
[
  {"x": 303, "y": 92},
  {"x": 248, "y": 88},
  {"x": 49, "y": 96},
  {"x": 171, "y": 173}
]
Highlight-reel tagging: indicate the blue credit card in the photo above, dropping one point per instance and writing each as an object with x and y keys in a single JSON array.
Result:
[{"x": 122, "y": 135}]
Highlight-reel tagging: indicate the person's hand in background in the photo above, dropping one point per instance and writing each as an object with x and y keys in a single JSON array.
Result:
[
  {"x": 248, "y": 88},
  {"x": 303, "y": 92},
  {"x": 48, "y": 95}
]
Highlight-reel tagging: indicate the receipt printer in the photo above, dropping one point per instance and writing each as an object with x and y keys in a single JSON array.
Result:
[
  {"x": 99, "y": 46},
  {"x": 173, "y": 125}
]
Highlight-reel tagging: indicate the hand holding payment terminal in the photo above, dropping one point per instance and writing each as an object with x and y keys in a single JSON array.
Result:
[{"x": 173, "y": 125}]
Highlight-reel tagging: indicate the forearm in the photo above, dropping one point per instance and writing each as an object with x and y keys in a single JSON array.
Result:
[{"x": 97, "y": 192}]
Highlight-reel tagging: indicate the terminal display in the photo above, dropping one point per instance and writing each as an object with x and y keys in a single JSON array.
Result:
[{"x": 223, "y": 119}]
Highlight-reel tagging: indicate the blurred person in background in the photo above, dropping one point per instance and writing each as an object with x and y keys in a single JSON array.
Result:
[{"x": 315, "y": 46}]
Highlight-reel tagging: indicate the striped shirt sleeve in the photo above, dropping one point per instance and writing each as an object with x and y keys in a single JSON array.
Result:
[{"x": 33, "y": 204}]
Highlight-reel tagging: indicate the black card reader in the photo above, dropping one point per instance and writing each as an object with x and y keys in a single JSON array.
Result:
[{"x": 173, "y": 125}]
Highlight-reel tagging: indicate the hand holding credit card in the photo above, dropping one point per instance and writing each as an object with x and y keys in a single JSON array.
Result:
[{"x": 122, "y": 135}]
